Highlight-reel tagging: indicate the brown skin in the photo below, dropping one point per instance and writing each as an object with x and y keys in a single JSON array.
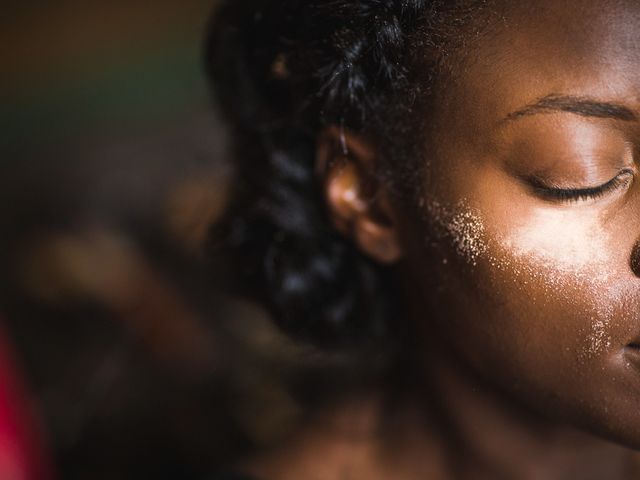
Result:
[{"x": 527, "y": 300}]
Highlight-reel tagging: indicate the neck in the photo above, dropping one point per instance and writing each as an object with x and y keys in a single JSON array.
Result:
[
  {"x": 452, "y": 426},
  {"x": 482, "y": 433}
]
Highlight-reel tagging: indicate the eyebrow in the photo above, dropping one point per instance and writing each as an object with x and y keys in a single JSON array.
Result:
[{"x": 585, "y": 107}]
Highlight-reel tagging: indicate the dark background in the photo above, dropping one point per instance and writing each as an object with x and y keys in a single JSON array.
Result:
[{"x": 113, "y": 169}]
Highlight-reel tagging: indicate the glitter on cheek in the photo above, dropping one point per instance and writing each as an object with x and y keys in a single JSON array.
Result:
[
  {"x": 599, "y": 340},
  {"x": 461, "y": 225},
  {"x": 568, "y": 250},
  {"x": 562, "y": 251},
  {"x": 611, "y": 307}
]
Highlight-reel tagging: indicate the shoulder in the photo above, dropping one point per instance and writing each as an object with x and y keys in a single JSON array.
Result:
[{"x": 356, "y": 439}]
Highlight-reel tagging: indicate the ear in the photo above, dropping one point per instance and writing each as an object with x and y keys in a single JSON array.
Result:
[{"x": 357, "y": 201}]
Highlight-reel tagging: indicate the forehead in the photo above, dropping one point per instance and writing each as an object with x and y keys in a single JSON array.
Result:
[{"x": 540, "y": 47}]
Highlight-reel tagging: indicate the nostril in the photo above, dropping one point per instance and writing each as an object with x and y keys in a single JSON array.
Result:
[{"x": 634, "y": 261}]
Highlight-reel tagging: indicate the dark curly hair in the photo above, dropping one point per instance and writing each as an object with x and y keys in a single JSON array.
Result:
[{"x": 282, "y": 70}]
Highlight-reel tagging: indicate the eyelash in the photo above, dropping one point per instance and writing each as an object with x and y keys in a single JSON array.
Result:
[{"x": 575, "y": 195}]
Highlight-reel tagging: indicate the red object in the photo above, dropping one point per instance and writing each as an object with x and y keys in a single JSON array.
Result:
[{"x": 22, "y": 452}]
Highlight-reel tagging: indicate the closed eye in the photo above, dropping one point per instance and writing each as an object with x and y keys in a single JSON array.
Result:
[{"x": 576, "y": 195}]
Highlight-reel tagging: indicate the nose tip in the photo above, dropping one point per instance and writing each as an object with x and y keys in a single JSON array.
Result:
[{"x": 634, "y": 261}]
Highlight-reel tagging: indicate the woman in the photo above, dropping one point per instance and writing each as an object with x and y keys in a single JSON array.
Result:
[{"x": 457, "y": 180}]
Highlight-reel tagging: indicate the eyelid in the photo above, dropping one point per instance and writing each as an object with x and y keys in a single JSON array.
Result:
[{"x": 570, "y": 195}]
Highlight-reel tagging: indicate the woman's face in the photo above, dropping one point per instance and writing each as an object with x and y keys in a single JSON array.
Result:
[{"x": 530, "y": 225}]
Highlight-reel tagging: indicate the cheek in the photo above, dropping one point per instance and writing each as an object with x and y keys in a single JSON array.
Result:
[
  {"x": 570, "y": 272},
  {"x": 575, "y": 243},
  {"x": 542, "y": 298},
  {"x": 539, "y": 301}
]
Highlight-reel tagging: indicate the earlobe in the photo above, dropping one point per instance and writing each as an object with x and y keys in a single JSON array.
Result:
[
  {"x": 378, "y": 242},
  {"x": 356, "y": 202}
]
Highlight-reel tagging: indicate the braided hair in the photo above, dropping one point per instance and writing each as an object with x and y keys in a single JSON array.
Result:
[{"x": 282, "y": 71}]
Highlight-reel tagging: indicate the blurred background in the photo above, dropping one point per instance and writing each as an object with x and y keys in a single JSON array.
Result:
[{"x": 123, "y": 362}]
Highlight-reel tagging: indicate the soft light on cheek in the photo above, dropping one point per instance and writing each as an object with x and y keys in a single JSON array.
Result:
[
  {"x": 564, "y": 240},
  {"x": 570, "y": 252},
  {"x": 559, "y": 261},
  {"x": 557, "y": 244}
]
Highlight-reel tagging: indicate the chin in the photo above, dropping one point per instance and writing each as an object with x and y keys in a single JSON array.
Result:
[{"x": 610, "y": 409}]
